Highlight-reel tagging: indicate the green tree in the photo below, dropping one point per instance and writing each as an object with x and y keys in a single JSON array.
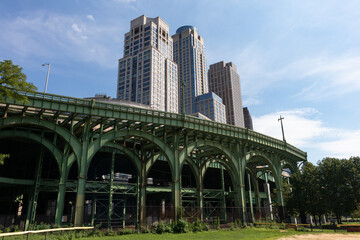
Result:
[
  {"x": 3, "y": 157},
  {"x": 306, "y": 196},
  {"x": 355, "y": 170},
  {"x": 13, "y": 80},
  {"x": 340, "y": 182}
]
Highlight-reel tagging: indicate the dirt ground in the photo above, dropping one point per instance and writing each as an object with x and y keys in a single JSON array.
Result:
[{"x": 323, "y": 236}]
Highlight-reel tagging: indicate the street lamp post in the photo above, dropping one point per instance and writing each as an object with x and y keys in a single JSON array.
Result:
[
  {"x": 47, "y": 76},
  {"x": 282, "y": 127}
]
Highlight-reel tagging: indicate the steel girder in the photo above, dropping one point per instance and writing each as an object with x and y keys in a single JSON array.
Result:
[{"x": 87, "y": 126}]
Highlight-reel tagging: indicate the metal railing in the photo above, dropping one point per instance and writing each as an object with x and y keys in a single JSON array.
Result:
[{"x": 246, "y": 134}]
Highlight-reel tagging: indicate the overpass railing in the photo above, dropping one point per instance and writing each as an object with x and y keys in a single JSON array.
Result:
[{"x": 189, "y": 121}]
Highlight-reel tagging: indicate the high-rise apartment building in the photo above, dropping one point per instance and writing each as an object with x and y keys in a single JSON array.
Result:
[
  {"x": 189, "y": 54},
  {"x": 225, "y": 82},
  {"x": 247, "y": 119},
  {"x": 147, "y": 73}
]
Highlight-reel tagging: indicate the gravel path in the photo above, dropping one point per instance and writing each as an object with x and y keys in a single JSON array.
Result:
[{"x": 323, "y": 236}]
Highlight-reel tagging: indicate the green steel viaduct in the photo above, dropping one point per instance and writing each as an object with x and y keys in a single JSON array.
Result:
[{"x": 85, "y": 162}]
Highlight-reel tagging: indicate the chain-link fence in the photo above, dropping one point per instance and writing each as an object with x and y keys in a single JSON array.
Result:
[{"x": 127, "y": 216}]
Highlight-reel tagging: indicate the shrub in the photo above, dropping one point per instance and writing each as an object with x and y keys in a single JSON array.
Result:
[
  {"x": 96, "y": 233},
  {"x": 180, "y": 213},
  {"x": 42, "y": 226},
  {"x": 110, "y": 232},
  {"x": 158, "y": 227},
  {"x": 126, "y": 231},
  {"x": 146, "y": 229},
  {"x": 216, "y": 224},
  {"x": 168, "y": 227},
  {"x": 196, "y": 226},
  {"x": 16, "y": 228},
  {"x": 274, "y": 227},
  {"x": 181, "y": 226},
  {"x": 233, "y": 226},
  {"x": 302, "y": 229},
  {"x": 205, "y": 227},
  {"x": 162, "y": 227}
]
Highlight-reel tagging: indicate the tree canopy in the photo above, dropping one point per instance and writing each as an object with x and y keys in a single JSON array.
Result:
[
  {"x": 13, "y": 80},
  {"x": 331, "y": 187}
]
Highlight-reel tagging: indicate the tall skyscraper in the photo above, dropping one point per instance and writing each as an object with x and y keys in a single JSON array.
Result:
[
  {"x": 225, "y": 82},
  {"x": 247, "y": 119},
  {"x": 147, "y": 73},
  {"x": 189, "y": 54}
]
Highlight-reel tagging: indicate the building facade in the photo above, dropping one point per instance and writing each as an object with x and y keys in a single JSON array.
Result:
[
  {"x": 147, "y": 73},
  {"x": 211, "y": 105},
  {"x": 189, "y": 54},
  {"x": 225, "y": 82},
  {"x": 247, "y": 119}
]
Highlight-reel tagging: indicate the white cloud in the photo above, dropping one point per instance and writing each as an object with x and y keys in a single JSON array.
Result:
[
  {"x": 91, "y": 17},
  {"x": 37, "y": 36},
  {"x": 251, "y": 101},
  {"x": 76, "y": 28},
  {"x": 347, "y": 145},
  {"x": 322, "y": 76},
  {"x": 303, "y": 129},
  {"x": 299, "y": 128}
]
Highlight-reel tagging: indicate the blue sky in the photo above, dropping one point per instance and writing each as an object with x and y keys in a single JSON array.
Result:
[{"x": 300, "y": 59}]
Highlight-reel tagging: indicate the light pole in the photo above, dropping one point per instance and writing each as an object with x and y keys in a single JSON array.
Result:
[
  {"x": 47, "y": 76},
  {"x": 282, "y": 128}
]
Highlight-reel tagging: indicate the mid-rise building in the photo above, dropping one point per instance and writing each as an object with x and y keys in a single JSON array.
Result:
[
  {"x": 225, "y": 82},
  {"x": 189, "y": 54},
  {"x": 247, "y": 119},
  {"x": 211, "y": 105},
  {"x": 147, "y": 73}
]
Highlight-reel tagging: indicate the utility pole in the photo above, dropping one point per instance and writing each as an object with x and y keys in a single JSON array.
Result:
[{"x": 282, "y": 127}]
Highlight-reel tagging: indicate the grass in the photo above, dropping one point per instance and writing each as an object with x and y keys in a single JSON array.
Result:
[
  {"x": 247, "y": 233},
  {"x": 344, "y": 222}
]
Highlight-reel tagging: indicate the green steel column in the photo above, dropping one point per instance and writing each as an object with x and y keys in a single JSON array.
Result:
[
  {"x": 280, "y": 198},
  {"x": 250, "y": 199},
  {"x": 268, "y": 194},
  {"x": 241, "y": 159},
  {"x": 176, "y": 176},
  {"x": 124, "y": 214},
  {"x": 80, "y": 196},
  {"x": 60, "y": 200},
  {"x": 61, "y": 193},
  {"x": 143, "y": 190},
  {"x": 111, "y": 183},
  {"x": 93, "y": 206},
  {"x": 223, "y": 200},
  {"x": 31, "y": 212},
  {"x": 201, "y": 196},
  {"x": 137, "y": 202},
  {"x": 243, "y": 202},
  {"x": 257, "y": 197}
]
